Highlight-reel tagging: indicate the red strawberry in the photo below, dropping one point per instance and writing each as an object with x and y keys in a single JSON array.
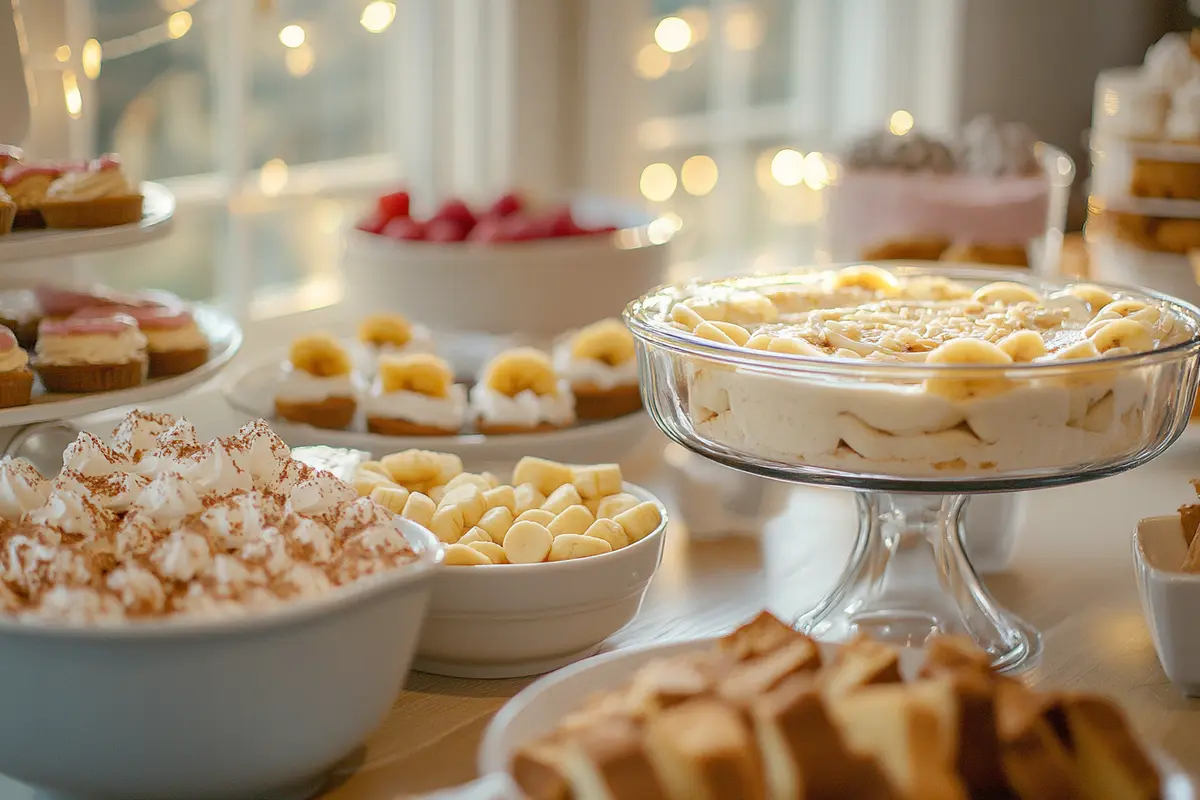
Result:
[
  {"x": 372, "y": 224},
  {"x": 405, "y": 229},
  {"x": 520, "y": 228},
  {"x": 560, "y": 223},
  {"x": 457, "y": 211},
  {"x": 490, "y": 230},
  {"x": 599, "y": 230},
  {"x": 445, "y": 230},
  {"x": 507, "y": 205},
  {"x": 394, "y": 205}
]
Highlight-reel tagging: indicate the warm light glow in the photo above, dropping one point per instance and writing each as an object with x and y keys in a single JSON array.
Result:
[
  {"x": 816, "y": 171},
  {"x": 651, "y": 62},
  {"x": 178, "y": 24},
  {"x": 663, "y": 228},
  {"x": 673, "y": 35},
  {"x": 698, "y": 175},
  {"x": 658, "y": 182},
  {"x": 299, "y": 61},
  {"x": 378, "y": 15},
  {"x": 292, "y": 36},
  {"x": 900, "y": 123},
  {"x": 743, "y": 29},
  {"x": 762, "y": 170},
  {"x": 90, "y": 58},
  {"x": 63, "y": 53},
  {"x": 696, "y": 18},
  {"x": 273, "y": 177},
  {"x": 71, "y": 95},
  {"x": 787, "y": 167}
]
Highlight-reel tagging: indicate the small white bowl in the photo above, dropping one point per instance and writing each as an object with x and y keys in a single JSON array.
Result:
[
  {"x": 1170, "y": 599},
  {"x": 210, "y": 710},
  {"x": 538, "y": 289},
  {"x": 513, "y": 620}
]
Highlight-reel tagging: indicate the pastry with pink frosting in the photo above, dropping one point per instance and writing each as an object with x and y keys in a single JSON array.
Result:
[
  {"x": 98, "y": 197},
  {"x": 90, "y": 354},
  {"x": 16, "y": 381},
  {"x": 27, "y": 185},
  {"x": 57, "y": 302},
  {"x": 175, "y": 343}
]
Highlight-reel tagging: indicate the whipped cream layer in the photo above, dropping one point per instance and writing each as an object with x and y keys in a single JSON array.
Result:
[
  {"x": 525, "y": 409},
  {"x": 448, "y": 413},
  {"x": 1001, "y": 415},
  {"x": 13, "y": 360},
  {"x": 91, "y": 184},
  {"x": 304, "y": 387},
  {"x": 172, "y": 340},
  {"x": 161, "y": 524},
  {"x": 118, "y": 347},
  {"x": 593, "y": 372}
]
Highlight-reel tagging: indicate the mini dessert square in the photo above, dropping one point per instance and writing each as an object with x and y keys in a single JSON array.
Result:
[
  {"x": 391, "y": 334},
  {"x": 175, "y": 343},
  {"x": 16, "y": 381},
  {"x": 99, "y": 197},
  {"x": 99, "y": 354},
  {"x": 27, "y": 185},
  {"x": 600, "y": 363},
  {"x": 415, "y": 395},
  {"x": 319, "y": 386},
  {"x": 520, "y": 392}
]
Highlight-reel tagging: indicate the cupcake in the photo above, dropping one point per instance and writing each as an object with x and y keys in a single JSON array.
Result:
[
  {"x": 391, "y": 334},
  {"x": 27, "y": 185},
  {"x": 319, "y": 386},
  {"x": 415, "y": 395},
  {"x": 98, "y": 197},
  {"x": 175, "y": 343},
  {"x": 600, "y": 363},
  {"x": 16, "y": 381},
  {"x": 519, "y": 392},
  {"x": 58, "y": 303},
  {"x": 20, "y": 312},
  {"x": 90, "y": 354}
]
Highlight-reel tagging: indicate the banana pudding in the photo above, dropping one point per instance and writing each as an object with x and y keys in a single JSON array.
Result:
[
  {"x": 917, "y": 375},
  {"x": 415, "y": 395},
  {"x": 319, "y": 385},
  {"x": 520, "y": 392},
  {"x": 600, "y": 363}
]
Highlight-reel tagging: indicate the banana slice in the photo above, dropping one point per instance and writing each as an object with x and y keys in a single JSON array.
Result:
[
  {"x": 576, "y": 545},
  {"x": 562, "y": 498},
  {"x": 750, "y": 308},
  {"x": 544, "y": 475},
  {"x": 527, "y": 498},
  {"x": 598, "y": 480},
  {"x": 574, "y": 519},
  {"x": 1082, "y": 349},
  {"x": 706, "y": 308},
  {"x": 968, "y": 352},
  {"x": 385, "y": 329},
  {"x": 539, "y": 515},
  {"x": 607, "y": 341},
  {"x": 393, "y": 498},
  {"x": 1005, "y": 293},
  {"x": 493, "y": 551},
  {"x": 448, "y": 524},
  {"x": 1125, "y": 333},
  {"x": 496, "y": 523},
  {"x": 501, "y": 497},
  {"x": 609, "y": 531},
  {"x": 365, "y": 482},
  {"x": 1093, "y": 295},
  {"x": 521, "y": 369},
  {"x": 639, "y": 521},
  {"x": 867, "y": 277},
  {"x": 713, "y": 333},
  {"x": 527, "y": 543},
  {"x": 1023, "y": 346},
  {"x": 469, "y": 502},
  {"x": 1121, "y": 308},
  {"x": 410, "y": 467},
  {"x": 420, "y": 373},
  {"x": 760, "y": 341},
  {"x": 478, "y": 481},
  {"x": 420, "y": 509},
  {"x": 461, "y": 555},
  {"x": 614, "y": 504},
  {"x": 320, "y": 355},
  {"x": 475, "y": 535},
  {"x": 792, "y": 346},
  {"x": 683, "y": 314}
]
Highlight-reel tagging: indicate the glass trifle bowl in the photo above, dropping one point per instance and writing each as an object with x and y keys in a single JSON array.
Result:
[{"x": 917, "y": 387}]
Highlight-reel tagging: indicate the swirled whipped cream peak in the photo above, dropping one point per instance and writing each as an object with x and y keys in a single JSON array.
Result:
[
  {"x": 998, "y": 416},
  {"x": 160, "y": 524}
]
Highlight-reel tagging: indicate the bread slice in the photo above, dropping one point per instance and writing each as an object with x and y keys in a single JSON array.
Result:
[
  {"x": 1108, "y": 758},
  {"x": 1037, "y": 765},
  {"x": 964, "y": 703},
  {"x": 952, "y": 654},
  {"x": 804, "y": 755},
  {"x": 704, "y": 750},
  {"x": 896, "y": 728},
  {"x": 608, "y": 762},
  {"x": 860, "y": 663},
  {"x": 750, "y": 679},
  {"x": 537, "y": 770},
  {"x": 668, "y": 682},
  {"x": 759, "y": 636}
]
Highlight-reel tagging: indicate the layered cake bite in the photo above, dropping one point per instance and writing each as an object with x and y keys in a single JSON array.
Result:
[
  {"x": 520, "y": 392},
  {"x": 175, "y": 343},
  {"x": 91, "y": 354},
  {"x": 319, "y": 387},
  {"x": 600, "y": 363},
  {"x": 97, "y": 197},
  {"x": 415, "y": 395},
  {"x": 16, "y": 379}
]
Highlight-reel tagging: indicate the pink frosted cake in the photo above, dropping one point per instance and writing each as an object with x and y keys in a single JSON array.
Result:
[
  {"x": 175, "y": 344},
  {"x": 913, "y": 196},
  {"x": 91, "y": 354}
]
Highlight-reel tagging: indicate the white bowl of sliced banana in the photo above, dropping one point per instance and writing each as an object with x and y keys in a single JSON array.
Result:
[{"x": 540, "y": 569}]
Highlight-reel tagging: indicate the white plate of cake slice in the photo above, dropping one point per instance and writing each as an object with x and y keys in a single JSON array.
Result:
[{"x": 767, "y": 713}]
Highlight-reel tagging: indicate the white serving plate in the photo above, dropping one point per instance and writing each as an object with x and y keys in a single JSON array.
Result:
[
  {"x": 514, "y": 620},
  {"x": 539, "y": 707},
  {"x": 158, "y": 210},
  {"x": 606, "y": 441},
  {"x": 224, "y": 336}
]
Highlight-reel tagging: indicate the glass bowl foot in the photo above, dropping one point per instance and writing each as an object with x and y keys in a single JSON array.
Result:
[{"x": 909, "y": 578}]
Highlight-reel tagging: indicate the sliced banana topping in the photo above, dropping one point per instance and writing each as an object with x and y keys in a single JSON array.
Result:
[
  {"x": 521, "y": 369},
  {"x": 1023, "y": 346},
  {"x": 385, "y": 329},
  {"x": 1006, "y": 292},
  {"x": 1126, "y": 333},
  {"x": 607, "y": 341},
  {"x": 867, "y": 277},
  {"x": 320, "y": 355},
  {"x": 421, "y": 373}
]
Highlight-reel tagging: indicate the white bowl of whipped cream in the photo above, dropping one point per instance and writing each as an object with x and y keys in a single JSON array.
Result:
[
  {"x": 917, "y": 376},
  {"x": 199, "y": 620}
]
